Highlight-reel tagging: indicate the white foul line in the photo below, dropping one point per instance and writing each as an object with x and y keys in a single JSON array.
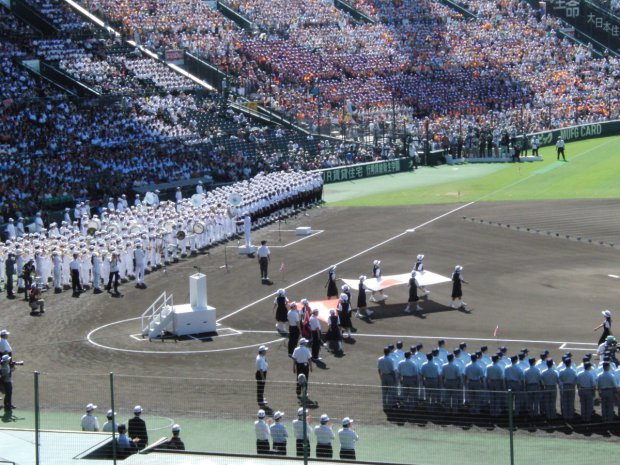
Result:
[{"x": 314, "y": 233}]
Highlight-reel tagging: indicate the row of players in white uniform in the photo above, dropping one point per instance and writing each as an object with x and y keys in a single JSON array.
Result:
[{"x": 147, "y": 235}]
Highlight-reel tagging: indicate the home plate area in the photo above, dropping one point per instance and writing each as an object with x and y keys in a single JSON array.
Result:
[{"x": 124, "y": 336}]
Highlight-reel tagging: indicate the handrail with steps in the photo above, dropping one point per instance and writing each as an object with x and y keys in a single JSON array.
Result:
[{"x": 154, "y": 320}]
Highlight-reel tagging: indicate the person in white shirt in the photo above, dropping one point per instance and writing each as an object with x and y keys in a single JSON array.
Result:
[
  {"x": 315, "y": 334},
  {"x": 89, "y": 421},
  {"x": 324, "y": 438},
  {"x": 5, "y": 347},
  {"x": 264, "y": 257},
  {"x": 262, "y": 367},
  {"x": 294, "y": 327},
  {"x": 347, "y": 438},
  {"x": 302, "y": 363},
  {"x": 109, "y": 425},
  {"x": 262, "y": 433},
  {"x": 298, "y": 429},
  {"x": 140, "y": 263}
]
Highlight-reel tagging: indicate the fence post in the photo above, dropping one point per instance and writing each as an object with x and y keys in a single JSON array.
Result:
[
  {"x": 113, "y": 418},
  {"x": 304, "y": 403},
  {"x": 37, "y": 419},
  {"x": 511, "y": 396}
]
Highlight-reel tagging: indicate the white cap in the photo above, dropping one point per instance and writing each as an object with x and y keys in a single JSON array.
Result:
[
  {"x": 300, "y": 411},
  {"x": 110, "y": 414},
  {"x": 90, "y": 407},
  {"x": 138, "y": 409},
  {"x": 606, "y": 313},
  {"x": 281, "y": 292},
  {"x": 261, "y": 413},
  {"x": 4, "y": 332},
  {"x": 263, "y": 349},
  {"x": 346, "y": 421},
  {"x": 5, "y": 358},
  {"x": 346, "y": 287},
  {"x": 304, "y": 301},
  {"x": 278, "y": 415},
  {"x": 176, "y": 428},
  {"x": 324, "y": 418},
  {"x": 303, "y": 341},
  {"x": 376, "y": 262},
  {"x": 421, "y": 257},
  {"x": 362, "y": 278},
  {"x": 458, "y": 268},
  {"x": 344, "y": 297}
]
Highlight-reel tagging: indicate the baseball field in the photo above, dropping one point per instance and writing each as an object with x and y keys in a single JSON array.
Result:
[{"x": 538, "y": 243}]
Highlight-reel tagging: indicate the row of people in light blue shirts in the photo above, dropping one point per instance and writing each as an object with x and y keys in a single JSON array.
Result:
[{"x": 437, "y": 376}]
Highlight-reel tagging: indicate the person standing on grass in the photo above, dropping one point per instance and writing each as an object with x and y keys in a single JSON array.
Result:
[
  {"x": 324, "y": 438},
  {"x": 263, "y": 433},
  {"x": 347, "y": 438},
  {"x": 279, "y": 434},
  {"x": 559, "y": 145},
  {"x": 298, "y": 429},
  {"x": 280, "y": 307},
  {"x": 89, "y": 421}
]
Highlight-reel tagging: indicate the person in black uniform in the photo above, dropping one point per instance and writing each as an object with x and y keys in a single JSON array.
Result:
[
  {"x": 175, "y": 442},
  {"x": 27, "y": 273},
  {"x": 280, "y": 307},
  {"x": 419, "y": 268},
  {"x": 334, "y": 336},
  {"x": 457, "y": 291},
  {"x": 137, "y": 428},
  {"x": 413, "y": 294},
  {"x": 606, "y": 325},
  {"x": 9, "y": 268},
  {"x": 332, "y": 289},
  {"x": 344, "y": 312},
  {"x": 362, "y": 306}
]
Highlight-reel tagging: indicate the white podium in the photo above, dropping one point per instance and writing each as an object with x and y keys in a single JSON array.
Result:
[{"x": 197, "y": 316}]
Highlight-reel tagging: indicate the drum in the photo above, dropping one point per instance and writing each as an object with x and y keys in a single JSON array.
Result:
[
  {"x": 198, "y": 228},
  {"x": 180, "y": 235}
]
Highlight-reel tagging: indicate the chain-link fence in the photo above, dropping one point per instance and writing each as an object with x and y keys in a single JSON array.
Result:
[{"x": 394, "y": 424}]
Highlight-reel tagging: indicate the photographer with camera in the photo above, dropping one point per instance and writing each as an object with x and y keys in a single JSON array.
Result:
[
  {"x": 7, "y": 367},
  {"x": 35, "y": 300}
]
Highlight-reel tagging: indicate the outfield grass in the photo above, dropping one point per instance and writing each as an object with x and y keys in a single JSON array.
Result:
[{"x": 592, "y": 171}]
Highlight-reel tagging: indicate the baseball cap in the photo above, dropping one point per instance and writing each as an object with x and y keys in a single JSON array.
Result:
[
  {"x": 324, "y": 418},
  {"x": 346, "y": 421},
  {"x": 300, "y": 411},
  {"x": 176, "y": 428},
  {"x": 278, "y": 415},
  {"x": 261, "y": 413},
  {"x": 89, "y": 407},
  {"x": 110, "y": 414},
  {"x": 138, "y": 409},
  {"x": 263, "y": 349}
]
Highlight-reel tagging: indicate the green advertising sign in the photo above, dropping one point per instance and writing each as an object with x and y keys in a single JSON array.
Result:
[{"x": 366, "y": 170}]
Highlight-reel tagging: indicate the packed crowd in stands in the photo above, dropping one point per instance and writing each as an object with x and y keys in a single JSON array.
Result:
[
  {"x": 421, "y": 54},
  {"x": 506, "y": 71}
]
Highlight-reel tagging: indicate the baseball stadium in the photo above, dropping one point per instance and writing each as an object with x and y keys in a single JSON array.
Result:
[{"x": 177, "y": 174}]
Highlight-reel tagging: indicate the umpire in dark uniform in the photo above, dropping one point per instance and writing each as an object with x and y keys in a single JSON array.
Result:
[{"x": 137, "y": 428}]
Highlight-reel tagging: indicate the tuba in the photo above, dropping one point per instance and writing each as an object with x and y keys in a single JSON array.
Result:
[
  {"x": 180, "y": 235},
  {"x": 92, "y": 227}
]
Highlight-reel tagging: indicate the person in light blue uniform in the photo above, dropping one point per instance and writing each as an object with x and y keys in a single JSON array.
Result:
[
  {"x": 429, "y": 374},
  {"x": 514, "y": 382},
  {"x": 279, "y": 434},
  {"x": 607, "y": 387},
  {"x": 586, "y": 382},
  {"x": 453, "y": 383},
  {"x": 443, "y": 353},
  {"x": 533, "y": 388},
  {"x": 495, "y": 384},
  {"x": 387, "y": 375},
  {"x": 409, "y": 376},
  {"x": 474, "y": 380},
  {"x": 568, "y": 378},
  {"x": 486, "y": 359},
  {"x": 523, "y": 362},
  {"x": 550, "y": 382}
]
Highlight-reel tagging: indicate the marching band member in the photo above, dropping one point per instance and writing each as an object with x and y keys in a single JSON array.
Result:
[
  {"x": 96, "y": 262},
  {"x": 139, "y": 258},
  {"x": 19, "y": 227},
  {"x": 11, "y": 232}
]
